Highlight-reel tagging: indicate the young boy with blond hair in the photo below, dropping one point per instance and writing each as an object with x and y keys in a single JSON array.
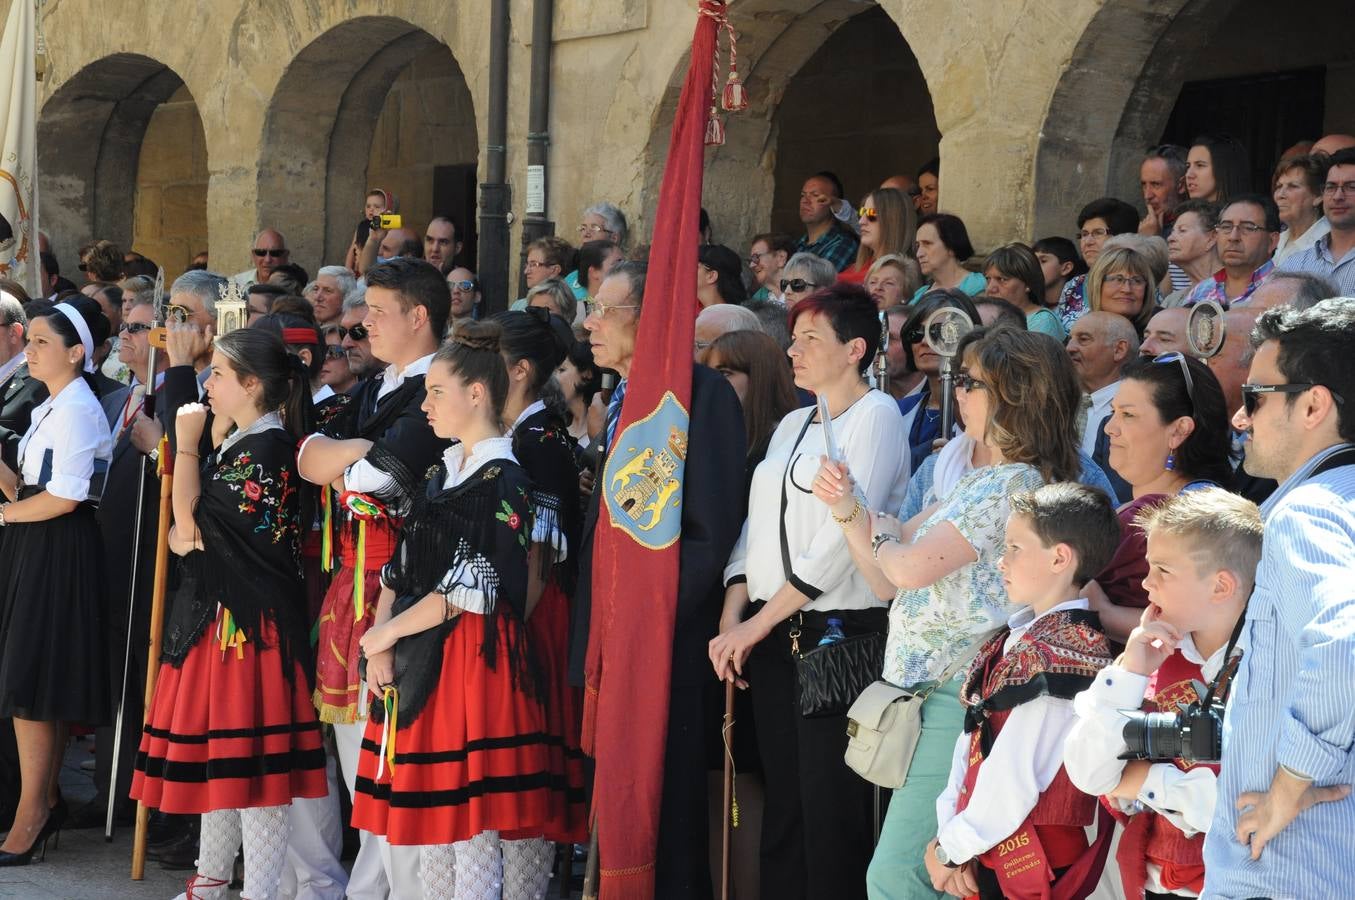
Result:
[
  {"x": 1203, "y": 547},
  {"x": 1010, "y": 823}
]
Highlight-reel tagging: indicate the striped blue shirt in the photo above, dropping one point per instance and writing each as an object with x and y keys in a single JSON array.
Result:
[
  {"x": 1316, "y": 259},
  {"x": 1293, "y": 700}
]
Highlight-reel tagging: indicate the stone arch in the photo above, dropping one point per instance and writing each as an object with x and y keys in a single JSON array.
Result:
[
  {"x": 90, "y": 139},
  {"x": 777, "y": 40},
  {"x": 318, "y": 130}
]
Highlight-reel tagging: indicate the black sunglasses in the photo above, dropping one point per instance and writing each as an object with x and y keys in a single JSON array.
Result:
[
  {"x": 134, "y": 327},
  {"x": 1251, "y": 393},
  {"x": 335, "y": 351},
  {"x": 357, "y": 332},
  {"x": 796, "y": 284},
  {"x": 1176, "y": 356},
  {"x": 274, "y": 254},
  {"x": 912, "y": 337}
]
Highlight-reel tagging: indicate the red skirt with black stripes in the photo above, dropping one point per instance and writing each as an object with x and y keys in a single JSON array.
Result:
[
  {"x": 477, "y": 757},
  {"x": 229, "y": 730}
]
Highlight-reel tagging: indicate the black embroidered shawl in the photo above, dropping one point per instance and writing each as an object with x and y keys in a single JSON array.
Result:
[{"x": 544, "y": 449}]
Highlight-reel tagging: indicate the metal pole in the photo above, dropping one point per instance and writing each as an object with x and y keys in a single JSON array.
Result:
[
  {"x": 535, "y": 223},
  {"x": 947, "y": 397},
  {"x": 495, "y": 194},
  {"x": 131, "y": 607}
]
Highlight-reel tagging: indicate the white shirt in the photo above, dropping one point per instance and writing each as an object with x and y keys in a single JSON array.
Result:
[
  {"x": 362, "y": 475},
  {"x": 73, "y": 428},
  {"x": 1100, "y": 408},
  {"x": 322, "y": 395},
  {"x": 463, "y": 585},
  {"x": 871, "y": 438},
  {"x": 7, "y": 369},
  {"x": 1316, "y": 231},
  {"x": 246, "y": 278},
  {"x": 1186, "y": 799},
  {"x": 1026, "y": 756}
]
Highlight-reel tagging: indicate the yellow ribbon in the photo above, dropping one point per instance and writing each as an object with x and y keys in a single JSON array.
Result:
[
  {"x": 162, "y": 460},
  {"x": 326, "y": 531},
  {"x": 360, "y": 572},
  {"x": 390, "y": 699},
  {"x": 231, "y": 635}
]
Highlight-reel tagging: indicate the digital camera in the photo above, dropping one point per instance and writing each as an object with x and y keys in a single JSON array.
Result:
[{"x": 1192, "y": 734}]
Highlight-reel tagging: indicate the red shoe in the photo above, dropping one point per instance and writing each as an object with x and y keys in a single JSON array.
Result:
[{"x": 204, "y": 882}]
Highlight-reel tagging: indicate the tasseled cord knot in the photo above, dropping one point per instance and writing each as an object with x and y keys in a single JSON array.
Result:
[
  {"x": 734, "y": 97},
  {"x": 390, "y": 699}
]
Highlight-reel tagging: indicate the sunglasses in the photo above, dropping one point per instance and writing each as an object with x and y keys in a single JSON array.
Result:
[
  {"x": 796, "y": 284},
  {"x": 134, "y": 327},
  {"x": 1176, "y": 356},
  {"x": 1251, "y": 394},
  {"x": 335, "y": 351},
  {"x": 464, "y": 285},
  {"x": 177, "y": 314},
  {"x": 966, "y": 382},
  {"x": 868, "y": 213},
  {"x": 357, "y": 332},
  {"x": 912, "y": 337},
  {"x": 271, "y": 254}
]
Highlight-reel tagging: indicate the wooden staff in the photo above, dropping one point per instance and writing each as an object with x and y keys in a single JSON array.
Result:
[
  {"x": 726, "y": 734},
  {"x": 590, "y": 869},
  {"x": 143, "y": 813}
]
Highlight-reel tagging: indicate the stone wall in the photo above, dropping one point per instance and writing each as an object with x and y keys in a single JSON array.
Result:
[{"x": 169, "y": 223}]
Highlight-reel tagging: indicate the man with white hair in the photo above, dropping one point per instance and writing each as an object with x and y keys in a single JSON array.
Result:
[
  {"x": 333, "y": 284},
  {"x": 269, "y": 251},
  {"x": 1099, "y": 345},
  {"x": 719, "y": 319},
  {"x": 19, "y": 392},
  {"x": 192, "y": 299}
]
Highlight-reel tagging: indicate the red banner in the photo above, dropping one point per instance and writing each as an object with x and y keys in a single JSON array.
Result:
[{"x": 635, "y": 556}]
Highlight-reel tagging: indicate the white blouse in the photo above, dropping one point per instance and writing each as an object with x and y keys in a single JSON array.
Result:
[
  {"x": 872, "y": 440},
  {"x": 71, "y": 431}
]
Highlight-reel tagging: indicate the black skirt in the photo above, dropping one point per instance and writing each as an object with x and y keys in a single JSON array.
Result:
[{"x": 53, "y": 649}]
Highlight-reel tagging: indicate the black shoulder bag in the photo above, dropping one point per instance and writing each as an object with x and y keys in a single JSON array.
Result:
[{"x": 828, "y": 678}]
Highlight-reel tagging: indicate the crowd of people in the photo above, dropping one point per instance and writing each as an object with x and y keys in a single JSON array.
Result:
[{"x": 384, "y": 500}]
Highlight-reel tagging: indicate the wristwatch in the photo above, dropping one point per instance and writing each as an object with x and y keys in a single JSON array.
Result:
[
  {"x": 944, "y": 858},
  {"x": 879, "y": 541},
  {"x": 153, "y": 454}
]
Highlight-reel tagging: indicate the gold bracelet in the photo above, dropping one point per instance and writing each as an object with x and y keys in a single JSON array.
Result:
[
  {"x": 188, "y": 453},
  {"x": 844, "y": 522}
]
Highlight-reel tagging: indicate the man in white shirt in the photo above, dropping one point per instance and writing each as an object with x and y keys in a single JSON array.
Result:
[
  {"x": 1099, "y": 345},
  {"x": 268, "y": 251}
]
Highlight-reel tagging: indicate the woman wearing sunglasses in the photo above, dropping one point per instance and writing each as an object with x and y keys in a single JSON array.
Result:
[
  {"x": 1018, "y": 398},
  {"x": 804, "y": 274},
  {"x": 1168, "y": 432},
  {"x": 888, "y": 225}
]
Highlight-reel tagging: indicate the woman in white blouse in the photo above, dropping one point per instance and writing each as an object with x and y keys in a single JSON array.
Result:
[
  {"x": 52, "y": 662},
  {"x": 1018, "y": 399},
  {"x": 817, "y": 829}
]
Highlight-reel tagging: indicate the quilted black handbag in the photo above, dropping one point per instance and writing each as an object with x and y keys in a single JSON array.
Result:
[{"x": 829, "y": 678}]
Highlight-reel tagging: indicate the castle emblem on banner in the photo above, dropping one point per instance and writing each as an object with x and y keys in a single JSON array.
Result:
[{"x": 643, "y": 475}]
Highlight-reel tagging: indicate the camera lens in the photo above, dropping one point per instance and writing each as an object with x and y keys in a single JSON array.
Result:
[{"x": 1154, "y": 735}]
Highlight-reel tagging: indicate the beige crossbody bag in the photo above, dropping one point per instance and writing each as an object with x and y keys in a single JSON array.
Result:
[{"x": 885, "y": 722}]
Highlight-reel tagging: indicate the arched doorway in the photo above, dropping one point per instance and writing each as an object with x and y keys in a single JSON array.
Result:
[
  {"x": 813, "y": 105},
  {"x": 1141, "y": 75},
  {"x": 373, "y": 102},
  {"x": 121, "y": 157}
]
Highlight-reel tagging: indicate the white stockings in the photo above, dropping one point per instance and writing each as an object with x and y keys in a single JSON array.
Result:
[
  {"x": 485, "y": 868},
  {"x": 264, "y": 832}
]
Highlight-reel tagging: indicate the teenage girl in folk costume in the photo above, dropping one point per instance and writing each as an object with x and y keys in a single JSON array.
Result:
[
  {"x": 52, "y": 640},
  {"x": 232, "y": 733},
  {"x": 456, "y": 759}
]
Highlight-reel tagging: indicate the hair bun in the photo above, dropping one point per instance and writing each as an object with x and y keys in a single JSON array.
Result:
[{"x": 478, "y": 336}]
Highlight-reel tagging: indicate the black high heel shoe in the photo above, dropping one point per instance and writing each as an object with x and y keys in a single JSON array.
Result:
[{"x": 22, "y": 859}]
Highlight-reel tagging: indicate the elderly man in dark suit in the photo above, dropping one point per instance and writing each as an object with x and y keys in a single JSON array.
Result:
[{"x": 713, "y": 504}]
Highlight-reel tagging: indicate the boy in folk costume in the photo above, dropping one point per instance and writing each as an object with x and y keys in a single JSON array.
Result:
[
  {"x": 373, "y": 459},
  {"x": 1010, "y": 823},
  {"x": 1203, "y": 547}
]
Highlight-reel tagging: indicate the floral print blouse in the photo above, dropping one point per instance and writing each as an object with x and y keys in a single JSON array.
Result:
[{"x": 930, "y": 627}]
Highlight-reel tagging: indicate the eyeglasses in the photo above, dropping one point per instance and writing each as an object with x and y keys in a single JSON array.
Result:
[
  {"x": 335, "y": 351},
  {"x": 869, "y": 213},
  {"x": 1134, "y": 281},
  {"x": 464, "y": 285},
  {"x": 1092, "y": 233},
  {"x": 1251, "y": 394},
  {"x": 1247, "y": 228},
  {"x": 702, "y": 345},
  {"x": 966, "y": 382},
  {"x": 754, "y": 258},
  {"x": 357, "y": 332},
  {"x": 797, "y": 285},
  {"x": 601, "y": 309},
  {"x": 912, "y": 337},
  {"x": 177, "y": 314},
  {"x": 134, "y": 327},
  {"x": 1176, "y": 356},
  {"x": 271, "y": 254},
  {"x": 1331, "y": 188},
  {"x": 533, "y": 264},
  {"x": 586, "y": 230}
]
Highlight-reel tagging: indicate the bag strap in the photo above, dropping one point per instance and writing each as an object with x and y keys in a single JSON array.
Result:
[
  {"x": 785, "y": 501},
  {"x": 956, "y": 665}
]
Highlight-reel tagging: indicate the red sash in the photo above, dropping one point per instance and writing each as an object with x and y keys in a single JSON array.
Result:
[{"x": 381, "y": 538}]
